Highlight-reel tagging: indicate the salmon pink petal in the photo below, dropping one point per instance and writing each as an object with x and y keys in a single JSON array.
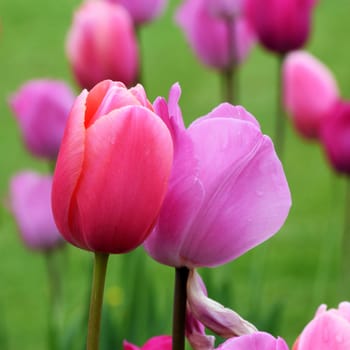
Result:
[{"x": 140, "y": 145}]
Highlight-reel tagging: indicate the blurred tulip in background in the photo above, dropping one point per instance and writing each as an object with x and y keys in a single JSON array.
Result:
[
  {"x": 161, "y": 342},
  {"x": 310, "y": 92},
  {"x": 41, "y": 108},
  {"x": 112, "y": 170},
  {"x": 30, "y": 201},
  {"x": 281, "y": 25},
  {"x": 227, "y": 192},
  {"x": 101, "y": 44}
]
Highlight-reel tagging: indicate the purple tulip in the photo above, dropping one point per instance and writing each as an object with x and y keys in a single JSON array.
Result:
[
  {"x": 30, "y": 198},
  {"x": 41, "y": 108},
  {"x": 227, "y": 191},
  {"x": 255, "y": 341},
  {"x": 335, "y": 137},
  {"x": 216, "y": 41},
  {"x": 101, "y": 44},
  {"x": 143, "y": 11},
  {"x": 310, "y": 92},
  {"x": 281, "y": 25}
]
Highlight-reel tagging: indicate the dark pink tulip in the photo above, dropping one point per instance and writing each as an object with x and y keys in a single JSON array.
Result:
[
  {"x": 310, "y": 92},
  {"x": 30, "y": 200},
  {"x": 227, "y": 192},
  {"x": 255, "y": 341},
  {"x": 216, "y": 42},
  {"x": 161, "y": 342},
  {"x": 329, "y": 330},
  {"x": 112, "y": 169},
  {"x": 335, "y": 137},
  {"x": 142, "y": 11},
  {"x": 41, "y": 108},
  {"x": 101, "y": 44},
  {"x": 281, "y": 25}
]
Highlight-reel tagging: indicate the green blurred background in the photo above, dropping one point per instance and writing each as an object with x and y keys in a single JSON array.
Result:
[{"x": 277, "y": 285}]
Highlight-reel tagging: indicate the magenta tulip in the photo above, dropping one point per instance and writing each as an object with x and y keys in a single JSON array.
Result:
[
  {"x": 310, "y": 92},
  {"x": 329, "y": 330},
  {"x": 227, "y": 192},
  {"x": 143, "y": 11},
  {"x": 255, "y": 341},
  {"x": 335, "y": 137},
  {"x": 30, "y": 200},
  {"x": 281, "y": 25},
  {"x": 101, "y": 44},
  {"x": 161, "y": 342},
  {"x": 41, "y": 108},
  {"x": 217, "y": 42},
  {"x": 112, "y": 169}
]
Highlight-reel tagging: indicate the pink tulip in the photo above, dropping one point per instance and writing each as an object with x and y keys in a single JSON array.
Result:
[
  {"x": 225, "y": 8},
  {"x": 335, "y": 137},
  {"x": 310, "y": 92},
  {"x": 142, "y": 11},
  {"x": 329, "y": 330},
  {"x": 281, "y": 25},
  {"x": 255, "y": 341},
  {"x": 101, "y": 44},
  {"x": 161, "y": 342},
  {"x": 41, "y": 108},
  {"x": 215, "y": 41},
  {"x": 30, "y": 195},
  {"x": 112, "y": 169},
  {"x": 227, "y": 192}
]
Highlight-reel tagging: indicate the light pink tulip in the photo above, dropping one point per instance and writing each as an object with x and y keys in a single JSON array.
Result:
[
  {"x": 329, "y": 330},
  {"x": 227, "y": 192},
  {"x": 143, "y": 11},
  {"x": 335, "y": 137},
  {"x": 255, "y": 341},
  {"x": 161, "y": 342},
  {"x": 216, "y": 41},
  {"x": 30, "y": 200},
  {"x": 281, "y": 25},
  {"x": 225, "y": 8},
  {"x": 310, "y": 92},
  {"x": 41, "y": 108},
  {"x": 112, "y": 169},
  {"x": 101, "y": 44}
]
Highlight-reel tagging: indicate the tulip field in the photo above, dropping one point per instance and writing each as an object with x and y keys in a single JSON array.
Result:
[{"x": 277, "y": 285}]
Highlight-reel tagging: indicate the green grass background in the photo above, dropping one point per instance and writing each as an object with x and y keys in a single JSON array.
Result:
[{"x": 301, "y": 263}]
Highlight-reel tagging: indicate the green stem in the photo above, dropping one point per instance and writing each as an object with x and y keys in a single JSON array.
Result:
[
  {"x": 98, "y": 283},
  {"x": 55, "y": 297},
  {"x": 229, "y": 85},
  {"x": 280, "y": 122},
  {"x": 179, "y": 311}
]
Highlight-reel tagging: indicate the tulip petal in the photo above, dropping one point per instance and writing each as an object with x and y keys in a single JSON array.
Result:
[
  {"x": 214, "y": 316},
  {"x": 68, "y": 169},
  {"x": 247, "y": 196},
  {"x": 255, "y": 341},
  {"x": 125, "y": 217},
  {"x": 129, "y": 346},
  {"x": 161, "y": 342}
]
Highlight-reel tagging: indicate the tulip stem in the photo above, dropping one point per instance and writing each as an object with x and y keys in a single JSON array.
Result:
[
  {"x": 280, "y": 123},
  {"x": 179, "y": 311},
  {"x": 98, "y": 283},
  {"x": 229, "y": 75},
  {"x": 54, "y": 281}
]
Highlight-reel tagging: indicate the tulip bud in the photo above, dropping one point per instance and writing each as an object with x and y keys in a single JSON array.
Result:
[
  {"x": 328, "y": 330},
  {"x": 335, "y": 136},
  {"x": 310, "y": 92},
  {"x": 112, "y": 170},
  {"x": 30, "y": 200},
  {"x": 222, "y": 42},
  {"x": 142, "y": 11},
  {"x": 41, "y": 108},
  {"x": 101, "y": 44},
  {"x": 227, "y": 192},
  {"x": 281, "y": 25}
]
